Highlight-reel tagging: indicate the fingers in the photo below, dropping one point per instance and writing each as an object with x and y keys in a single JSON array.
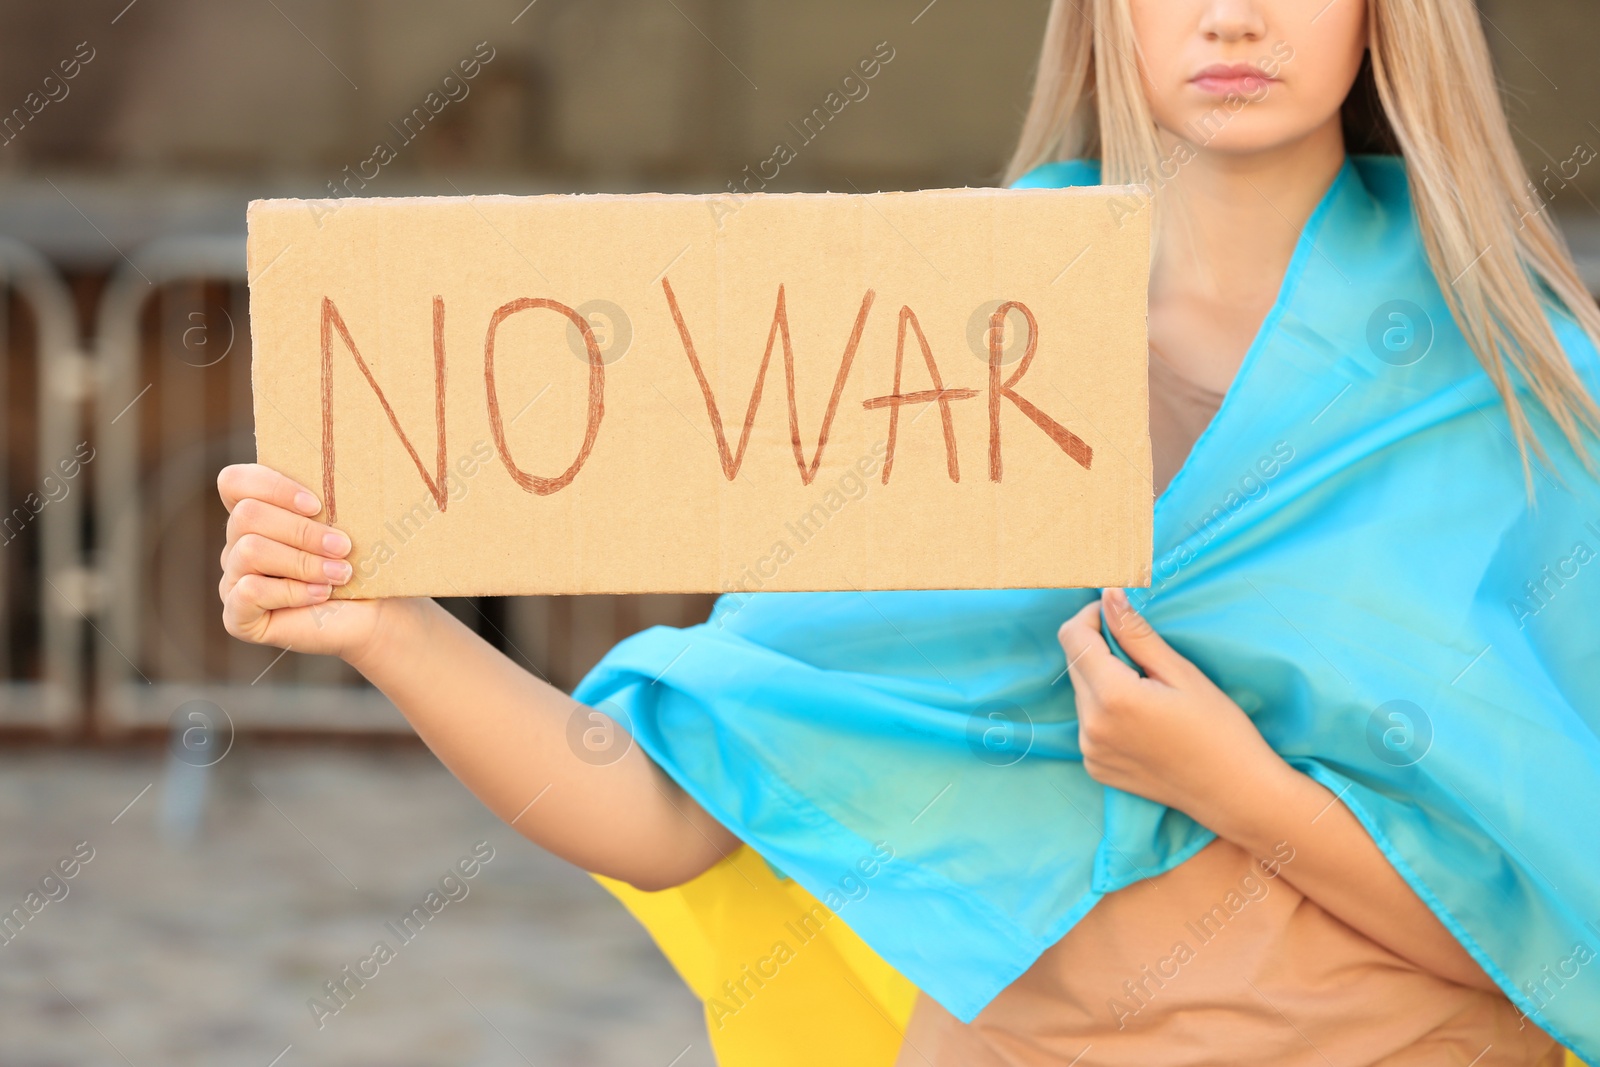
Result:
[
  {"x": 248, "y": 607},
  {"x": 1141, "y": 642},
  {"x": 277, "y": 555},
  {"x": 1081, "y": 631},
  {"x": 255, "y": 516},
  {"x": 241, "y": 481},
  {"x": 254, "y": 553},
  {"x": 1089, "y": 658},
  {"x": 267, "y": 540}
]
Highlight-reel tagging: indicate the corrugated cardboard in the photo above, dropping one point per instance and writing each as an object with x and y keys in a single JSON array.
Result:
[{"x": 578, "y": 394}]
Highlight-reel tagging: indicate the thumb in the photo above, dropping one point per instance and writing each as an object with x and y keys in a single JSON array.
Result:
[{"x": 1141, "y": 642}]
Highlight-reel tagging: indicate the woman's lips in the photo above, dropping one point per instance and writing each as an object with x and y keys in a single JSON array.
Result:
[{"x": 1223, "y": 79}]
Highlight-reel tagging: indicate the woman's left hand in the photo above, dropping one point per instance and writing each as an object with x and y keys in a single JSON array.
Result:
[
  {"x": 1171, "y": 736},
  {"x": 1177, "y": 739}
]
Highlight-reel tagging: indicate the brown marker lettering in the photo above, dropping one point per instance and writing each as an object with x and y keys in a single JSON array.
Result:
[
  {"x": 938, "y": 394},
  {"x": 780, "y": 327},
  {"x": 332, "y": 320},
  {"x": 597, "y": 384},
  {"x": 1070, "y": 443}
]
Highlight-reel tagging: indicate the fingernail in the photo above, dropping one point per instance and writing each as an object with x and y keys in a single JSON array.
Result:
[
  {"x": 336, "y": 569},
  {"x": 335, "y": 543},
  {"x": 306, "y": 502},
  {"x": 320, "y": 592}
]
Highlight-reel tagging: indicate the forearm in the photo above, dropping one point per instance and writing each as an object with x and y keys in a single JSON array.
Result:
[
  {"x": 1338, "y": 865},
  {"x": 504, "y": 733}
]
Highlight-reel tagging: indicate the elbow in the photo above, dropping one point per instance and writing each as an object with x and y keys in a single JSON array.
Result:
[
  {"x": 688, "y": 845},
  {"x": 659, "y": 877},
  {"x": 681, "y": 863},
  {"x": 653, "y": 881}
]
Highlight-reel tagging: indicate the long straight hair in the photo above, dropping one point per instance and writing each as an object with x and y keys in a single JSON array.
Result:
[{"x": 1427, "y": 92}]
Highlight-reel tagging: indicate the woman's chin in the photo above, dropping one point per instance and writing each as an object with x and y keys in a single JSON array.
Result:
[{"x": 1242, "y": 137}]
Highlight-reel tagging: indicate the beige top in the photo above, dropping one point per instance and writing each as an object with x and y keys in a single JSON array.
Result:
[
  {"x": 1218, "y": 961},
  {"x": 1180, "y": 411}
]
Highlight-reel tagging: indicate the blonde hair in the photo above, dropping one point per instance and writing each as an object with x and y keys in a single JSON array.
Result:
[{"x": 1427, "y": 92}]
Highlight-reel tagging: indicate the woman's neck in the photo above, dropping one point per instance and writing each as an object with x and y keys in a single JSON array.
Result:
[
  {"x": 1230, "y": 222},
  {"x": 1227, "y": 228}
]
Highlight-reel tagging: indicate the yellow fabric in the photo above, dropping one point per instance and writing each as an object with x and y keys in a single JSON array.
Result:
[{"x": 783, "y": 979}]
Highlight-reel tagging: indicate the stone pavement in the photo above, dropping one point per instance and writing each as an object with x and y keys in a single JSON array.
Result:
[{"x": 217, "y": 904}]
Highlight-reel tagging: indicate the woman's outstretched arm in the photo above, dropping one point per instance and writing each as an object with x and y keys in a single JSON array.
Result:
[
  {"x": 499, "y": 729},
  {"x": 1174, "y": 737}
]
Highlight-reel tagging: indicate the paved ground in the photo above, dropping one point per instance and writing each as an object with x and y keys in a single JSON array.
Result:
[{"x": 170, "y": 949}]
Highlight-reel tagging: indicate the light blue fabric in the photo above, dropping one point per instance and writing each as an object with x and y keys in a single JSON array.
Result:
[{"x": 1348, "y": 533}]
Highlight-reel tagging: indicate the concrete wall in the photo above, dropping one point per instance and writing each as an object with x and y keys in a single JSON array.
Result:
[
  {"x": 602, "y": 94},
  {"x": 619, "y": 93}
]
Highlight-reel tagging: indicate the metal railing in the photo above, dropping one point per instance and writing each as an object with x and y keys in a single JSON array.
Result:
[{"x": 42, "y": 580}]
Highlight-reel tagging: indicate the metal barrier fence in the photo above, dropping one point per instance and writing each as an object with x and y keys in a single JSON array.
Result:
[
  {"x": 109, "y": 618},
  {"x": 42, "y": 580}
]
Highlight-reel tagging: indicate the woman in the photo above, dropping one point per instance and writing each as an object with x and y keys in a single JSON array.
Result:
[{"x": 1257, "y": 847}]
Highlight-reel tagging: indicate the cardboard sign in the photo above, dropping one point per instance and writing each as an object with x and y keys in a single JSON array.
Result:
[{"x": 654, "y": 393}]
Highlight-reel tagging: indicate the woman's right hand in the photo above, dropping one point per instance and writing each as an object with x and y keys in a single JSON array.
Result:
[
  {"x": 280, "y": 565},
  {"x": 502, "y": 731}
]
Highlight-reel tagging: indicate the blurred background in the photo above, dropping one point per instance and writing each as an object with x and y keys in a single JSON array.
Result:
[{"x": 253, "y": 821}]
